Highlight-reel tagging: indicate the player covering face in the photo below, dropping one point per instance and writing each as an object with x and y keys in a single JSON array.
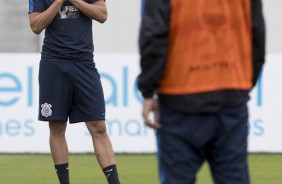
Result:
[{"x": 70, "y": 89}]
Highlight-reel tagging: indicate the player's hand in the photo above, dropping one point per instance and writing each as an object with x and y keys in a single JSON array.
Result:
[
  {"x": 60, "y": 1},
  {"x": 74, "y": 1},
  {"x": 150, "y": 105}
]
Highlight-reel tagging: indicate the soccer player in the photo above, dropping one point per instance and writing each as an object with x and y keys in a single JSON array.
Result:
[
  {"x": 200, "y": 58},
  {"x": 70, "y": 86}
]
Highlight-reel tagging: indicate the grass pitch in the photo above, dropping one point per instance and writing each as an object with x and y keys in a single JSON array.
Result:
[{"x": 133, "y": 169}]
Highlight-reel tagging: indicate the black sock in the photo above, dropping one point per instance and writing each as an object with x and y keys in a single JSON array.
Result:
[
  {"x": 111, "y": 174},
  {"x": 63, "y": 173}
]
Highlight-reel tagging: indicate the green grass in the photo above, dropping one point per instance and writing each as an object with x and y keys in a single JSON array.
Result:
[{"x": 133, "y": 169}]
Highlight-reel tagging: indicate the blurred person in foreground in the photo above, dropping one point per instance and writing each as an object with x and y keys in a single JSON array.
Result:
[
  {"x": 199, "y": 61},
  {"x": 70, "y": 86}
]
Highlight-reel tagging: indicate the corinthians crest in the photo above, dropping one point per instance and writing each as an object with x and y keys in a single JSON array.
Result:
[{"x": 46, "y": 110}]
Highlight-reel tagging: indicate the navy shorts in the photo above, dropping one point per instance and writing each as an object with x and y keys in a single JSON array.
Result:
[
  {"x": 70, "y": 91},
  {"x": 186, "y": 140}
]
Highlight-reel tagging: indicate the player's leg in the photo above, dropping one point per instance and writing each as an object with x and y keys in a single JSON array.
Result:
[
  {"x": 181, "y": 142},
  {"x": 59, "y": 150},
  {"x": 103, "y": 150},
  {"x": 228, "y": 158},
  {"x": 57, "y": 140},
  {"x": 55, "y": 94},
  {"x": 88, "y": 105}
]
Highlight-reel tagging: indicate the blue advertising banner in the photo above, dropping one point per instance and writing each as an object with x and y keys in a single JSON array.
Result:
[{"x": 20, "y": 131}]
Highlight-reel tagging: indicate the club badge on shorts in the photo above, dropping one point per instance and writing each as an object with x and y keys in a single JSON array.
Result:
[{"x": 46, "y": 110}]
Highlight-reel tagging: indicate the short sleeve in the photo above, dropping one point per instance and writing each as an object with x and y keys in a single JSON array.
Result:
[{"x": 36, "y": 6}]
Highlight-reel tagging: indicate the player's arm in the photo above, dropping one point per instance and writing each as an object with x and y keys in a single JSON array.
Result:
[
  {"x": 258, "y": 37},
  {"x": 153, "y": 45},
  {"x": 40, "y": 20},
  {"x": 96, "y": 11}
]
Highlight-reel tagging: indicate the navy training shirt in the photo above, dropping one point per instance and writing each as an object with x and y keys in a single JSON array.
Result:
[{"x": 69, "y": 36}]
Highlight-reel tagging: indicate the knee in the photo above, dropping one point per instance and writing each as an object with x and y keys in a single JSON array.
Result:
[
  {"x": 57, "y": 129},
  {"x": 97, "y": 128}
]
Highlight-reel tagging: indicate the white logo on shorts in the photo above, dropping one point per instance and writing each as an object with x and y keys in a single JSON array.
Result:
[{"x": 46, "y": 110}]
